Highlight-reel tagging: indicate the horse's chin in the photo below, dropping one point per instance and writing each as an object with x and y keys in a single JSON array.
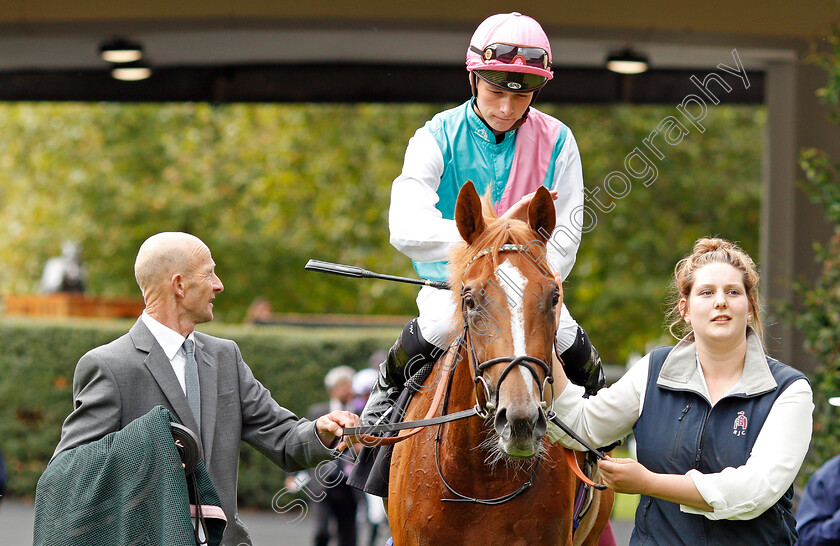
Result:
[
  {"x": 509, "y": 450},
  {"x": 520, "y": 455},
  {"x": 519, "y": 450}
]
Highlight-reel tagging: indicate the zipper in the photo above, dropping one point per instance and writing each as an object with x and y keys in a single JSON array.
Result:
[
  {"x": 699, "y": 451},
  {"x": 678, "y": 438},
  {"x": 684, "y": 411},
  {"x": 645, "y": 509}
]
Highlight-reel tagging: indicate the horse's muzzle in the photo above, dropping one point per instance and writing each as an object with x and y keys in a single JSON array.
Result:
[{"x": 521, "y": 429}]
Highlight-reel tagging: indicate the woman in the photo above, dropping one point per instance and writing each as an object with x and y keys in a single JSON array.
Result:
[{"x": 721, "y": 429}]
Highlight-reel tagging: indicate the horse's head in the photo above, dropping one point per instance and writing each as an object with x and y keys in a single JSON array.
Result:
[{"x": 508, "y": 302}]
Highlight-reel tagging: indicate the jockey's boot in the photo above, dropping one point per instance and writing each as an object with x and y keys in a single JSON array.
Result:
[
  {"x": 408, "y": 356},
  {"x": 582, "y": 364}
]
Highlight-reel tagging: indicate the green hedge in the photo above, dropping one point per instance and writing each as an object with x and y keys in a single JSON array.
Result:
[{"x": 37, "y": 360}]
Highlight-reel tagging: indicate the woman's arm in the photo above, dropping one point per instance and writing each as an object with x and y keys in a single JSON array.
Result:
[
  {"x": 629, "y": 476},
  {"x": 601, "y": 419},
  {"x": 747, "y": 491}
]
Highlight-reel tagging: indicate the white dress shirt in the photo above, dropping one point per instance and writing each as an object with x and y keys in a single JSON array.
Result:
[{"x": 172, "y": 344}]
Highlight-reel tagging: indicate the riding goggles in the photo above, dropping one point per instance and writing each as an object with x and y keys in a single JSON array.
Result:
[{"x": 506, "y": 53}]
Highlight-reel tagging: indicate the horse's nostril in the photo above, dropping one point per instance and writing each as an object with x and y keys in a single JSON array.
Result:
[
  {"x": 541, "y": 426},
  {"x": 500, "y": 422}
]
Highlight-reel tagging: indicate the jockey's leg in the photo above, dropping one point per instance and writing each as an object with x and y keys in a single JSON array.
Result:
[
  {"x": 408, "y": 354},
  {"x": 422, "y": 340},
  {"x": 581, "y": 361}
]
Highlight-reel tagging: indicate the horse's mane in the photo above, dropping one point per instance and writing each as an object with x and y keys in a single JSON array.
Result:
[{"x": 497, "y": 232}]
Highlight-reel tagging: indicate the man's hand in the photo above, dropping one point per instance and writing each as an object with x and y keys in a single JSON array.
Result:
[
  {"x": 625, "y": 475},
  {"x": 330, "y": 427},
  {"x": 519, "y": 210}
]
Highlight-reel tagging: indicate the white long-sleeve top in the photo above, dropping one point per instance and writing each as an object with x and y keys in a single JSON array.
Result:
[
  {"x": 456, "y": 146},
  {"x": 744, "y": 492}
]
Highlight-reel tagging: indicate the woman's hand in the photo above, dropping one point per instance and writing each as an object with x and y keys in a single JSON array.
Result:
[
  {"x": 625, "y": 475},
  {"x": 629, "y": 476}
]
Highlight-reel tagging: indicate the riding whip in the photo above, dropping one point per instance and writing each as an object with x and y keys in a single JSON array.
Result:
[{"x": 359, "y": 273}]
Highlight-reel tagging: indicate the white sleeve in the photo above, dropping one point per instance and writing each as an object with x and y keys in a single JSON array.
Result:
[
  {"x": 568, "y": 183},
  {"x": 605, "y": 417},
  {"x": 418, "y": 229},
  {"x": 748, "y": 491}
]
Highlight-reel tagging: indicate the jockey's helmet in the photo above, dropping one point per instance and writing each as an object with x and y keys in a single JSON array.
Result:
[{"x": 510, "y": 51}]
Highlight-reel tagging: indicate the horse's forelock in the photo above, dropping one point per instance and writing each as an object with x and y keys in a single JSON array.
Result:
[{"x": 497, "y": 232}]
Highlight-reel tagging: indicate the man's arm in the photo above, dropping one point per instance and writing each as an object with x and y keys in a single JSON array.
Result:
[
  {"x": 818, "y": 518},
  {"x": 417, "y": 227},
  {"x": 96, "y": 404},
  {"x": 292, "y": 443},
  {"x": 568, "y": 183}
]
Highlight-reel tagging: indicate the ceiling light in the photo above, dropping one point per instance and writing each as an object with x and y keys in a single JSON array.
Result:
[
  {"x": 121, "y": 51},
  {"x": 131, "y": 72},
  {"x": 627, "y": 61}
]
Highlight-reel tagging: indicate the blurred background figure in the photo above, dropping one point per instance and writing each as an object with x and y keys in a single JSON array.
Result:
[
  {"x": 335, "y": 514},
  {"x": 64, "y": 273},
  {"x": 818, "y": 517},
  {"x": 362, "y": 384},
  {"x": 373, "y": 511},
  {"x": 259, "y": 312}
]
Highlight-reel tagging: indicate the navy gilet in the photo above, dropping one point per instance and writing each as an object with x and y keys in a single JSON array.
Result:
[{"x": 679, "y": 430}]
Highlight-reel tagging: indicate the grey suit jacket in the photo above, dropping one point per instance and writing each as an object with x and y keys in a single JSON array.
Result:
[{"x": 121, "y": 381}]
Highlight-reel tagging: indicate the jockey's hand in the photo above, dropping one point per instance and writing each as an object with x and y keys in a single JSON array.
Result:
[
  {"x": 519, "y": 210},
  {"x": 330, "y": 427},
  {"x": 625, "y": 475}
]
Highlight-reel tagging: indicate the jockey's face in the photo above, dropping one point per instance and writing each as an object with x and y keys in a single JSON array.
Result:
[{"x": 500, "y": 109}]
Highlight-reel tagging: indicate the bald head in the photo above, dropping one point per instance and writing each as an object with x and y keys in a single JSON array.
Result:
[{"x": 163, "y": 255}]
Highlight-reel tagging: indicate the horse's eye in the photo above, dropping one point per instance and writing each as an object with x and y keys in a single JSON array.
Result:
[
  {"x": 469, "y": 301},
  {"x": 556, "y": 298}
]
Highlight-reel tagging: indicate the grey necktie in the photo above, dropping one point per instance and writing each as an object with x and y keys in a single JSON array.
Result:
[{"x": 191, "y": 381}]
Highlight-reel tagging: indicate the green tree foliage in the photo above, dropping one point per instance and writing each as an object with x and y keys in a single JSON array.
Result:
[
  {"x": 266, "y": 186},
  {"x": 270, "y": 186},
  {"x": 819, "y": 319},
  {"x": 708, "y": 184}
]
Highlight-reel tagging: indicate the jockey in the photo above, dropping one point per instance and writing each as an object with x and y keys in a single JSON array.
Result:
[{"x": 507, "y": 148}]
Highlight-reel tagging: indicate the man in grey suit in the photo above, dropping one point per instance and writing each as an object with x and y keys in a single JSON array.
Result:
[{"x": 149, "y": 366}]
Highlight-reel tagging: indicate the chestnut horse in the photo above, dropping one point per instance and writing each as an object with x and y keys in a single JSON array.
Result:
[{"x": 495, "y": 480}]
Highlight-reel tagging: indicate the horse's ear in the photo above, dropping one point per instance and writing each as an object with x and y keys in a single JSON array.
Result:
[
  {"x": 541, "y": 215},
  {"x": 468, "y": 216}
]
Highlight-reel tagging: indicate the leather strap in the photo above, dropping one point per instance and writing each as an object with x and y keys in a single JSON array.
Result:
[{"x": 359, "y": 433}]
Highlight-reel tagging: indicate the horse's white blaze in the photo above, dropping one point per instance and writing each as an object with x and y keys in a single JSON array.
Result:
[{"x": 514, "y": 283}]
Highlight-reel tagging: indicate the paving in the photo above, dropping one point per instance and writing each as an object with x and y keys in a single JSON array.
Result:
[{"x": 267, "y": 528}]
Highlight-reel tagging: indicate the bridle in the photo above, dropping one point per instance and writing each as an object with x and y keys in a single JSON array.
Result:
[
  {"x": 478, "y": 368},
  {"x": 484, "y": 410}
]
